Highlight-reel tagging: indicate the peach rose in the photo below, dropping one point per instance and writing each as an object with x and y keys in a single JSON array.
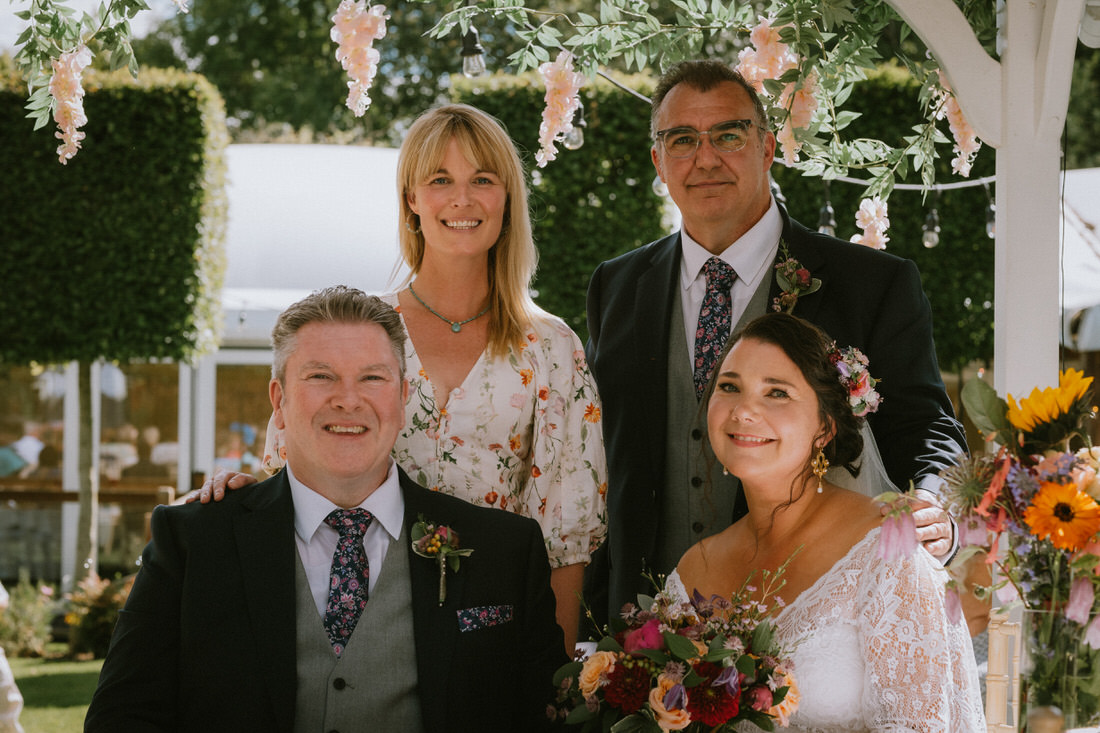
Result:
[
  {"x": 665, "y": 718},
  {"x": 1086, "y": 475},
  {"x": 594, "y": 672}
]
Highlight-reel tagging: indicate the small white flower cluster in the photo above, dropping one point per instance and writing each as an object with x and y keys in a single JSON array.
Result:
[
  {"x": 873, "y": 218},
  {"x": 356, "y": 27}
]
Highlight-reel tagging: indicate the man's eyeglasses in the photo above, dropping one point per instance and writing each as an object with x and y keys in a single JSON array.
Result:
[{"x": 727, "y": 137}]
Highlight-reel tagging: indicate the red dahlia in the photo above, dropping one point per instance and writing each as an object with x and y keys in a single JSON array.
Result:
[
  {"x": 708, "y": 704},
  {"x": 627, "y": 687}
]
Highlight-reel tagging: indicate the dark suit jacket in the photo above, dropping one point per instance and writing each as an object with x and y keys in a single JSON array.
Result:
[
  {"x": 868, "y": 299},
  {"x": 207, "y": 638}
]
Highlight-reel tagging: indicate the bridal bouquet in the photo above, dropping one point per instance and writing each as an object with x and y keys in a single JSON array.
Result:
[
  {"x": 699, "y": 665},
  {"x": 1031, "y": 507}
]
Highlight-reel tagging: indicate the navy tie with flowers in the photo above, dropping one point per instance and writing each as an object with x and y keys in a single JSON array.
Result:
[
  {"x": 347, "y": 591},
  {"x": 714, "y": 321}
]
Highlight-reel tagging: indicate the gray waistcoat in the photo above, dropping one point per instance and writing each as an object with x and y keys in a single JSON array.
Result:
[
  {"x": 372, "y": 687},
  {"x": 697, "y": 500}
]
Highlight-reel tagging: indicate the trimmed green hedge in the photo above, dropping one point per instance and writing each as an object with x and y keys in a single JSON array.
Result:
[
  {"x": 119, "y": 254},
  {"x": 590, "y": 204},
  {"x": 597, "y": 202}
]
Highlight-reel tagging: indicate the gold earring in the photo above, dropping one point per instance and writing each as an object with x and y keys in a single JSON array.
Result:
[{"x": 820, "y": 466}]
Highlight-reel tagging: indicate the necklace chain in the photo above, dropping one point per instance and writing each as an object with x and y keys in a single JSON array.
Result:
[{"x": 456, "y": 326}]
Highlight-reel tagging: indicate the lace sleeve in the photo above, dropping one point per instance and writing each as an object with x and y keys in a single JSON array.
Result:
[{"x": 920, "y": 669}]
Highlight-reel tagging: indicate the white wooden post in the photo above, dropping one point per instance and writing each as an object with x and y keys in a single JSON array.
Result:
[{"x": 1017, "y": 105}]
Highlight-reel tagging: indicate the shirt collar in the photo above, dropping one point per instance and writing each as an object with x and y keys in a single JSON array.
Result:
[
  {"x": 749, "y": 256},
  {"x": 385, "y": 503}
]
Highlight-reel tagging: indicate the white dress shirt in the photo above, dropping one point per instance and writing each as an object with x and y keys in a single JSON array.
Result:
[
  {"x": 751, "y": 258},
  {"x": 316, "y": 540}
]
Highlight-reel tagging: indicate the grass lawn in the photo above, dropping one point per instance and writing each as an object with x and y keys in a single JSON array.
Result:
[{"x": 56, "y": 692}]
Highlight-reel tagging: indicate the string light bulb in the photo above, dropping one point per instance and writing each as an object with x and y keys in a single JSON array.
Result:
[
  {"x": 990, "y": 215},
  {"x": 473, "y": 55},
  {"x": 931, "y": 229},
  {"x": 826, "y": 218},
  {"x": 574, "y": 139}
]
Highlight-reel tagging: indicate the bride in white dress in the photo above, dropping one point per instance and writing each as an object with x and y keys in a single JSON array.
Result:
[{"x": 870, "y": 640}]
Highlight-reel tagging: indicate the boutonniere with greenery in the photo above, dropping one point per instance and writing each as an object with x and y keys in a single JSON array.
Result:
[
  {"x": 794, "y": 280},
  {"x": 439, "y": 543}
]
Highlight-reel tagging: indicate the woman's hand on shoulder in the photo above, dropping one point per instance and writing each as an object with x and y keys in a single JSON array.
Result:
[{"x": 214, "y": 487}]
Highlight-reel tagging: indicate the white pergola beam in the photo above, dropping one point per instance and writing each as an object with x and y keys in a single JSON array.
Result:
[{"x": 972, "y": 73}]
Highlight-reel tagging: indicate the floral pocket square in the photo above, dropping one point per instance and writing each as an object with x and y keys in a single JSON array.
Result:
[{"x": 483, "y": 617}]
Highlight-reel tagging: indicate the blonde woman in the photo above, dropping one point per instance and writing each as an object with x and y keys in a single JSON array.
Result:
[{"x": 502, "y": 410}]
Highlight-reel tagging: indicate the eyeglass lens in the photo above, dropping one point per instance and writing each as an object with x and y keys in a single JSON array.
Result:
[{"x": 681, "y": 142}]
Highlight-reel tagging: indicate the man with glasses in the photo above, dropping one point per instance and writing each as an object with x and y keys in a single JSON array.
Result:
[{"x": 659, "y": 315}]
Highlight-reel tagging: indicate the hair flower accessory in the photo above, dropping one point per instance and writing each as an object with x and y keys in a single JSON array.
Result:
[
  {"x": 794, "y": 280},
  {"x": 851, "y": 365},
  {"x": 440, "y": 543}
]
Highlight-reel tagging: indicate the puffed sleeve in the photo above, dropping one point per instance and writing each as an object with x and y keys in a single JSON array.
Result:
[
  {"x": 920, "y": 672},
  {"x": 568, "y": 483}
]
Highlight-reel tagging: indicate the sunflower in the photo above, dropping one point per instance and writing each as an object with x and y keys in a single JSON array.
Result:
[
  {"x": 1048, "y": 417},
  {"x": 1063, "y": 513}
]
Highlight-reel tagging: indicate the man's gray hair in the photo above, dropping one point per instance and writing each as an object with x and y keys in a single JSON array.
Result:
[{"x": 338, "y": 304}]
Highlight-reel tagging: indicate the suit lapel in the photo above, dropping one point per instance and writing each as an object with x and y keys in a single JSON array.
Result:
[
  {"x": 435, "y": 627},
  {"x": 654, "y": 299},
  {"x": 266, "y": 549}
]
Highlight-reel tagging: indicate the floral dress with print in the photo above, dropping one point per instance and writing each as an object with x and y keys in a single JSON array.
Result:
[{"x": 523, "y": 433}]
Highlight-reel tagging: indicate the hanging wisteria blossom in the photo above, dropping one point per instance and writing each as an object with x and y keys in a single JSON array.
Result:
[
  {"x": 966, "y": 140},
  {"x": 68, "y": 94},
  {"x": 562, "y": 101},
  {"x": 873, "y": 219},
  {"x": 770, "y": 58},
  {"x": 356, "y": 27}
]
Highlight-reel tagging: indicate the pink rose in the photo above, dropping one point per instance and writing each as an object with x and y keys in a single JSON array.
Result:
[
  {"x": 648, "y": 636},
  {"x": 802, "y": 277}
]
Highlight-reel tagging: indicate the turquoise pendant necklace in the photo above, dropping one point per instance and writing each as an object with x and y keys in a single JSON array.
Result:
[{"x": 456, "y": 326}]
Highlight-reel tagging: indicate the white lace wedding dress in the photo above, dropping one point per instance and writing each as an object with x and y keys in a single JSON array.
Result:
[{"x": 873, "y": 650}]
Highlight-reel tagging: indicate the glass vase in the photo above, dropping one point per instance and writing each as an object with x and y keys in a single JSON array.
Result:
[{"x": 1059, "y": 671}]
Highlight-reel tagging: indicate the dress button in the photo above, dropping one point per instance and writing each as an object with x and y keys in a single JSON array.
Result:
[
  {"x": 696, "y": 434},
  {"x": 696, "y": 481},
  {"x": 339, "y": 683},
  {"x": 697, "y": 527}
]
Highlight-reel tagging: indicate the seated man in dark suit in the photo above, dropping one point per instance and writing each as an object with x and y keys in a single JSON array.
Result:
[{"x": 300, "y": 604}]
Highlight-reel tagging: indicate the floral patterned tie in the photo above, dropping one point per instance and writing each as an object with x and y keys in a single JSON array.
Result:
[
  {"x": 347, "y": 591},
  {"x": 714, "y": 321}
]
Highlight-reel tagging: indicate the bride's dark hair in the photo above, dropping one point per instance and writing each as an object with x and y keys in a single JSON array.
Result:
[{"x": 808, "y": 347}]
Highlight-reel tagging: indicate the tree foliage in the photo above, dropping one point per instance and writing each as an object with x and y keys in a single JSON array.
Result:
[{"x": 274, "y": 62}]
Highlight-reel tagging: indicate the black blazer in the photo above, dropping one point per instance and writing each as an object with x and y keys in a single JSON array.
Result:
[
  {"x": 868, "y": 299},
  {"x": 206, "y": 641}
]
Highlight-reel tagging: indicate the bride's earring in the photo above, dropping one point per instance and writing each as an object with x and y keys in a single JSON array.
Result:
[
  {"x": 725, "y": 471},
  {"x": 820, "y": 466}
]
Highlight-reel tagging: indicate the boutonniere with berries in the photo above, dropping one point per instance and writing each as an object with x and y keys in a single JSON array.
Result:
[
  {"x": 794, "y": 280},
  {"x": 439, "y": 543}
]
